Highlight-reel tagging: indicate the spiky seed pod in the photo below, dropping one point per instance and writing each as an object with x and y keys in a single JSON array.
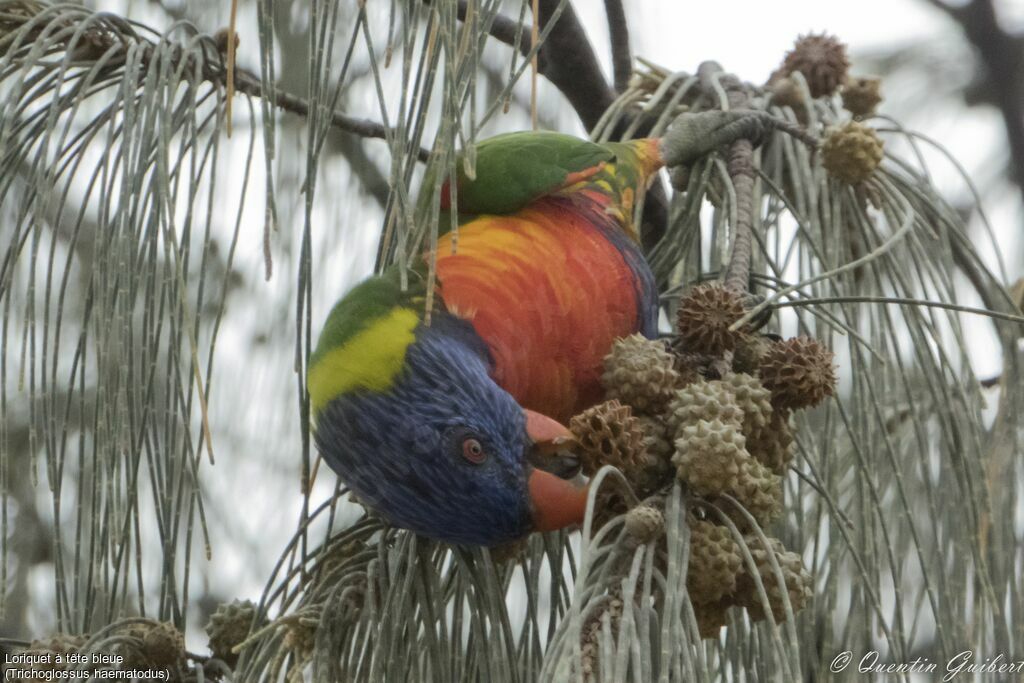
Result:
[
  {"x": 785, "y": 93},
  {"x": 697, "y": 367},
  {"x": 752, "y": 398},
  {"x": 639, "y": 372},
  {"x": 657, "y": 439},
  {"x": 715, "y": 562},
  {"x": 650, "y": 473},
  {"x": 773, "y": 445},
  {"x": 645, "y": 523},
  {"x": 609, "y": 434},
  {"x": 133, "y": 648},
  {"x": 164, "y": 645},
  {"x": 711, "y": 617},
  {"x": 851, "y": 153},
  {"x": 760, "y": 491},
  {"x": 653, "y": 469},
  {"x": 688, "y": 368},
  {"x": 862, "y": 95},
  {"x": 229, "y": 626},
  {"x": 750, "y": 349},
  {"x": 799, "y": 372},
  {"x": 798, "y": 582},
  {"x": 709, "y": 455},
  {"x": 702, "y": 401},
  {"x": 821, "y": 59},
  {"x": 704, "y": 317},
  {"x": 58, "y": 644}
]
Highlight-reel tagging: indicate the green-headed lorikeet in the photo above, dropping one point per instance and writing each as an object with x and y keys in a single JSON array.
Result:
[{"x": 432, "y": 425}]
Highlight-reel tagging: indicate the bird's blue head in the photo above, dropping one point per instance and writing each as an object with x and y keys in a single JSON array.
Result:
[{"x": 442, "y": 450}]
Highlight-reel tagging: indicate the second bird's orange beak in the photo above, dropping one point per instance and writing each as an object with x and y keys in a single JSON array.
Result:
[{"x": 557, "y": 503}]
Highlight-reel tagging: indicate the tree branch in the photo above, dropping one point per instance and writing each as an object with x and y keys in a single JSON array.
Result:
[
  {"x": 248, "y": 83},
  {"x": 567, "y": 59},
  {"x": 618, "y": 33},
  {"x": 1002, "y": 55},
  {"x": 502, "y": 28},
  {"x": 741, "y": 170},
  {"x": 102, "y": 35}
]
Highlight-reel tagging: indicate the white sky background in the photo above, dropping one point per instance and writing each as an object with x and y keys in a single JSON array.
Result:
[{"x": 747, "y": 37}]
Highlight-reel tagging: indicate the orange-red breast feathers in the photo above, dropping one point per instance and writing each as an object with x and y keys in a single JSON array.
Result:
[{"x": 548, "y": 289}]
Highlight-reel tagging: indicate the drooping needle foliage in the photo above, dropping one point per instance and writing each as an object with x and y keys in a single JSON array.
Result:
[{"x": 123, "y": 214}]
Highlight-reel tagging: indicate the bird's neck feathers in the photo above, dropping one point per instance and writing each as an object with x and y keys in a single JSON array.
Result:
[
  {"x": 370, "y": 355},
  {"x": 362, "y": 358},
  {"x": 618, "y": 186}
]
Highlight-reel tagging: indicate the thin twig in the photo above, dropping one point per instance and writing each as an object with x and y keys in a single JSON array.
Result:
[
  {"x": 534, "y": 34},
  {"x": 228, "y": 75},
  {"x": 502, "y": 28},
  {"x": 567, "y": 59},
  {"x": 1002, "y": 71},
  {"x": 232, "y": 48},
  {"x": 820, "y": 490},
  {"x": 249, "y": 84},
  {"x": 618, "y": 35},
  {"x": 901, "y": 302}
]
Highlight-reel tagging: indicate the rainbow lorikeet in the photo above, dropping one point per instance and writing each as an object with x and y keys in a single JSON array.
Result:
[{"x": 433, "y": 425}]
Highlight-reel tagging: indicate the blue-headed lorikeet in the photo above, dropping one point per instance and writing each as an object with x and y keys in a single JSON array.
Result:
[{"x": 433, "y": 425}]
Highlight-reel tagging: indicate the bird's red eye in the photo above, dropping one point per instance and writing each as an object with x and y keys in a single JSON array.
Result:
[{"x": 473, "y": 451}]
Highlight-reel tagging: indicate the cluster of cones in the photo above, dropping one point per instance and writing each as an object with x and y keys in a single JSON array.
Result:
[
  {"x": 851, "y": 152},
  {"x": 712, "y": 410},
  {"x": 144, "y": 644}
]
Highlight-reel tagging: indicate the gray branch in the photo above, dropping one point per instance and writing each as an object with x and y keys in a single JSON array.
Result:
[{"x": 618, "y": 33}]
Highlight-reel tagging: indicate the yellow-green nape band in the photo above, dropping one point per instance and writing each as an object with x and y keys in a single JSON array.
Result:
[{"x": 370, "y": 359}]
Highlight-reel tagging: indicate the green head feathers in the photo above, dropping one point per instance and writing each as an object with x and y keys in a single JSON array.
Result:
[{"x": 364, "y": 342}]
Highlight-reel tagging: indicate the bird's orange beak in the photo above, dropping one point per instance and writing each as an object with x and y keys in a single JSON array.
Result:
[{"x": 557, "y": 503}]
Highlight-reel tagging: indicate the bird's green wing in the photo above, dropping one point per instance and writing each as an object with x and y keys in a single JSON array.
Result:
[{"x": 514, "y": 169}]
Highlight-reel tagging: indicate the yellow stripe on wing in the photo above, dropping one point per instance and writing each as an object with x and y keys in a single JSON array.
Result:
[{"x": 370, "y": 359}]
